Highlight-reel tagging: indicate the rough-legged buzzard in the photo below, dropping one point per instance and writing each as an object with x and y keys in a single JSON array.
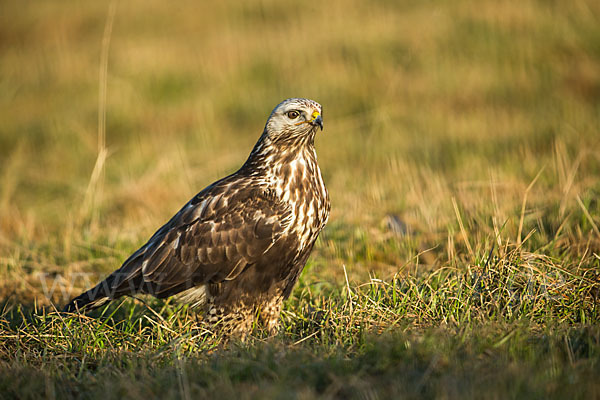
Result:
[{"x": 239, "y": 245}]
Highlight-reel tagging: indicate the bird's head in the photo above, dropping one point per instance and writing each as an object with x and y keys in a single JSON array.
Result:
[{"x": 295, "y": 120}]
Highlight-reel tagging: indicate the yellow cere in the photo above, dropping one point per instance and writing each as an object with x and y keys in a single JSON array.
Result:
[{"x": 314, "y": 116}]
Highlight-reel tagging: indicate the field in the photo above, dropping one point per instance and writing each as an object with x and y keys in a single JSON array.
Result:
[{"x": 461, "y": 151}]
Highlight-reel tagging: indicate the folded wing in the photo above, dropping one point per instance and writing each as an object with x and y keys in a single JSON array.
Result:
[{"x": 213, "y": 238}]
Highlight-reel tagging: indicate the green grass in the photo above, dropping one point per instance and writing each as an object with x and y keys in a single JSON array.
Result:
[{"x": 461, "y": 152}]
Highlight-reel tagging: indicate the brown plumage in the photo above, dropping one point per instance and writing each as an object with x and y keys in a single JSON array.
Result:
[{"x": 240, "y": 244}]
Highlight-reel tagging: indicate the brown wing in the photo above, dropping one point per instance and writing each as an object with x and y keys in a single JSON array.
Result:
[{"x": 218, "y": 234}]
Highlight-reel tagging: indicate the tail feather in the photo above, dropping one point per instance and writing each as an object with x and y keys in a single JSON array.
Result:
[
  {"x": 119, "y": 283},
  {"x": 86, "y": 301}
]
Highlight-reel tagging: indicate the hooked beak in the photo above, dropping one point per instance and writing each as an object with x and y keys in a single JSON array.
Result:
[{"x": 318, "y": 121}]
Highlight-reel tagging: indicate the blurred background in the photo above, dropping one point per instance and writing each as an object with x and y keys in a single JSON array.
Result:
[{"x": 449, "y": 125}]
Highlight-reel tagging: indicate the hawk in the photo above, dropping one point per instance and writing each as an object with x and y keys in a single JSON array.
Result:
[{"x": 238, "y": 246}]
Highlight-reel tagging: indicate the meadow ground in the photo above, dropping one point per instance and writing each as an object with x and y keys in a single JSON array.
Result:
[{"x": 461, "y": 150}]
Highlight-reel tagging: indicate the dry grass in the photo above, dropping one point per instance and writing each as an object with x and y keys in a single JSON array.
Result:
[{"x": 460, "y": 150}]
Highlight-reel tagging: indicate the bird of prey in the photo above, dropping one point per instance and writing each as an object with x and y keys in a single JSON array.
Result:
[{"x": 238, "y": 246}]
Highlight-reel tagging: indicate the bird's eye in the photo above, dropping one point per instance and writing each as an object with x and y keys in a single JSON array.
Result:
[{"x": 293, "y": 114}]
